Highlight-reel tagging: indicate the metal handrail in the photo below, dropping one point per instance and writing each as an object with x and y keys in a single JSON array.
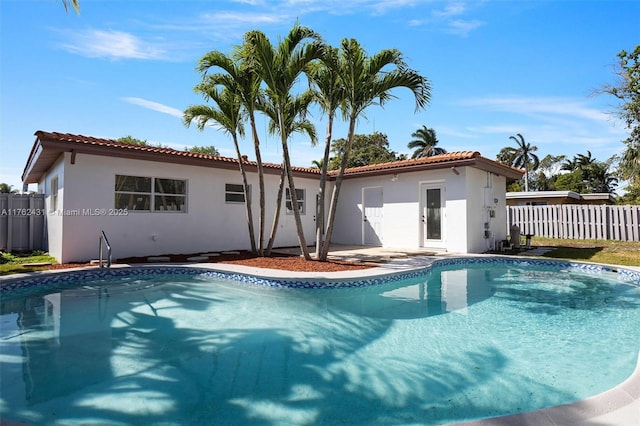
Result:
[{"x": 103, "y": 239}]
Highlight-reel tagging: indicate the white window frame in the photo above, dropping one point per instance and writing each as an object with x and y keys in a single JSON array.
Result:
[
  {"x": 235, "y": 192},
  {"x": 152, "y": 194},
  {"x": 302, "y": 201},
  {"x": 53, "y": 189}
]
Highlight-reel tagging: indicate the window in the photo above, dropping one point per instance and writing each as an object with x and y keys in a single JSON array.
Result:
[
  {"x": 54, "y": 194},
  {"x": 235, "y": 193},
  {"x": 170, "y": 194},
  {"x": 301, "y": 201},
  {"x": 138, "y": 193}
]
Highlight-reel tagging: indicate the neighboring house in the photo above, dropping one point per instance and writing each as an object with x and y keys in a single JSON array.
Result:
[
  {"x": 152, "y": 201},
  {"x": 544, "y": 198}
]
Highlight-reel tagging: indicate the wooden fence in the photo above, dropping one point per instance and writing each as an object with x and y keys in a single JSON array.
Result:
[
  {"x": 22, "y": 222},
  {"x": 577, "y": 221}
]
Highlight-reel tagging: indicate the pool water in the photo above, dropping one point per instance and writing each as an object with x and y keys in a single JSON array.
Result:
[{"x": 454, "y": 344}]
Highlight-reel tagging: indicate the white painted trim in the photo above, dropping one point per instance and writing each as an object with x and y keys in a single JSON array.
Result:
[{"x": 424, "y": 186}]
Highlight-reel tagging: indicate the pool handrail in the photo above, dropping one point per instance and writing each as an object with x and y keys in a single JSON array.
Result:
[{"x": 103, "y": 239}]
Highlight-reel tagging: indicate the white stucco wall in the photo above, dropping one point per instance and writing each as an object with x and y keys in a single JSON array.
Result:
[
  {"x": 54, "y": 220},
  {"x": 488, "y": 195},
  {"x": 209, "y": 224},
  {"x": 402, "y": 213},
  {"x": 467, "y": 198}
]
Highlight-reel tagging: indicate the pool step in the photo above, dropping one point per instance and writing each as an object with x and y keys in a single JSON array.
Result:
[
  {"x": 197, "y": 258},
  {"x": 36, "y": 265},
  {"x": 158, "y": 259}
]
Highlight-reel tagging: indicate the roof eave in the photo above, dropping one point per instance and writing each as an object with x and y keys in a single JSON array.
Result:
[
  {"x": 28, "y": 175},
  {"x": 37, "y": 164},
  {"x": 477, "y": 162}
]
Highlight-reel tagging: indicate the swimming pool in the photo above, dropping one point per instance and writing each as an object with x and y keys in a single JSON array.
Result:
[{"x": 462, "y": 340}]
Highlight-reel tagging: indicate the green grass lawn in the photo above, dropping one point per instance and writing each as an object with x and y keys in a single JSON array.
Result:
[
  {"x": 11, "y": 263},
  {"x": 599, "y": 251}
]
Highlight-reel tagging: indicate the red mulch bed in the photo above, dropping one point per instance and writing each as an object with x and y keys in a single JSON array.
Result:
[{"x": 283, "y": 262}]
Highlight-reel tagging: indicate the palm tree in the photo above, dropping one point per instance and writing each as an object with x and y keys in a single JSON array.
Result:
[
  {"x": 279, "y": 67},
  {"x": 238, "y": 73},
  {"x": 74, "y": 3},
  {"x": 599, "y": 179},
  {"x": 367, "y": 81},
  {"x": 424, "y": 143},
  {"x": 584, "y": 161},
  {"x": 317, "y": 164},
  {"x": 525, "y": 158},
  {"x": 295, "y": 121},
  {"x": 229, "y": 116},
  {"x": 630, "y": 164},
  {"x": 325, "y": 79},
  {"x": 569, "y": 165}
]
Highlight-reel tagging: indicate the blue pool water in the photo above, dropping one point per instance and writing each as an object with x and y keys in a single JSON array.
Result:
[{"x": 455, "y": 343}]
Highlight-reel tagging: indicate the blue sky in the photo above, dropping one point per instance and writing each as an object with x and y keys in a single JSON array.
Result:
[{"x": 497, "y": 68}]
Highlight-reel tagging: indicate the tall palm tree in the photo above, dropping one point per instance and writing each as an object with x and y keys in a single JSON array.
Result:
[
  {"x": 424, "y": 143},
  {"x": 228, "y": 115},
  {"x": 317, "y": 164},
  {"x": 525, "y": 158},
  {"x": 325, "y": 79},
  {"x": 295, "y": 121},
  {"x": 238, "y": 73},
  {"x": 280, "y": 67},
  {"x": 369, "y": 80}
]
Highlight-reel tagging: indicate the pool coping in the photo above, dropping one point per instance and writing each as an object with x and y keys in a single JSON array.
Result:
[{"x": 617, "y": 406}]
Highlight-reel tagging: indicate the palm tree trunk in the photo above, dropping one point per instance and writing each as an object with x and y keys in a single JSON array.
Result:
[
  {"x": 276, "y": 215},
  {"x": 336, "y": 191},
  {"x": 247, "y": 200},
  {"x": 321, "y": 189},
  {"x": 526, "y": 179},
  {"x": 292, "y": 187},
  {"x": 261, "y": 220}
]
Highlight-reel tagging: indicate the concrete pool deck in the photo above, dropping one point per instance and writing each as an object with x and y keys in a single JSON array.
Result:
[{"x": 619, "y": 406}]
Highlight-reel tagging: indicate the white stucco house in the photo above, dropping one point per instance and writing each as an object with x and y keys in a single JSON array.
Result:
[{"x": 152, "y": 201}]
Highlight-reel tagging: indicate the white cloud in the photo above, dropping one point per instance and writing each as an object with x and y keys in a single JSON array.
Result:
[
  {"x": 557, "y": 125},
  {"x": 464, "y": 27},
  {"x": 111, "y": 44},
  {"x": 452, "y": 9},
  {"x": 155, "y": 106},
  {"x": 229, "y": 19},
  {"x": 449, "y": 19},
  {"x": 251, "y": 2},
  {"x": 549, "y": 107}
]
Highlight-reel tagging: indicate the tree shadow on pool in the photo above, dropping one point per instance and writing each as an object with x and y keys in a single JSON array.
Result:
[
  {"x": 147, "y": 367},
  {"x": 550, "y": 292}
]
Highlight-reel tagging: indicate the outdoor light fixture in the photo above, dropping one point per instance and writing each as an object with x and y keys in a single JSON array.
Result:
[{"x": 454, "y": 170}]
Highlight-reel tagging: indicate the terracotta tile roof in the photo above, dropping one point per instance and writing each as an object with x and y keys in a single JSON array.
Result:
[
  {"x": 442, "y": 158},
  {"x": 89, "y": 140},
  {"x": 111, "y": 143},
  {"x": 54, "y": 144}
]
